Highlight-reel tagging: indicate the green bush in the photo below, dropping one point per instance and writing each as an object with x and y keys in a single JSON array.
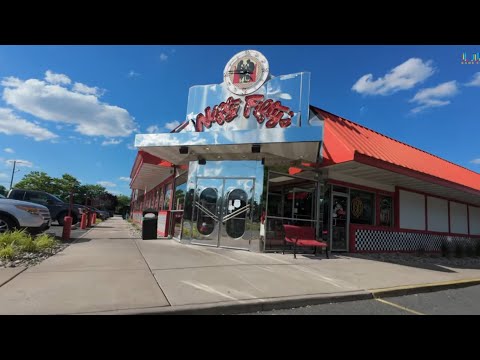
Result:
[
  {"x": 7, "y": 252},
  {"x": 45, "y": 242},
  {"x": 17, "y": 237},
  {"x": 28, "y": 246}
]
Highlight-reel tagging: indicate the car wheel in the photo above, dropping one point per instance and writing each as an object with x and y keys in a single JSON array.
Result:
[
  {"x": 60, "y": 219},
  {"x": 6, "y": 224}
]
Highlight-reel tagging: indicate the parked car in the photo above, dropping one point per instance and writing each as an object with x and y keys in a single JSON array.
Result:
[
  {"x": 102, "y": 214},
  {"x": 58, "y": 208},
  {"x": 15, "y": 214}
]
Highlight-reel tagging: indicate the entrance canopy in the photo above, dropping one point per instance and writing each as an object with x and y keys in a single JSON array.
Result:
[
  {"x": 148, "y": 171},
  {"x": 274, "y": 145}
]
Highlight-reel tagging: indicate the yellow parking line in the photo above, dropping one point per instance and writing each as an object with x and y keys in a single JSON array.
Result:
[{"x": 399, "y": 307}]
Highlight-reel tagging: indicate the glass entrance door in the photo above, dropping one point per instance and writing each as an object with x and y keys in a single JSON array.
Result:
[
  {"x": 207, "y": 203},
  {"x": 339, "y": 221},
  {"x": 236, "y": 226},
  {"x": 222, "y": 212}
]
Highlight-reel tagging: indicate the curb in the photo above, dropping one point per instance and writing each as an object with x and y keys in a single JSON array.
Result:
[
  {"x": 258, "y": 305},
  {"x": 423, "y": 288},
  {"x": 242, "y": 306}
]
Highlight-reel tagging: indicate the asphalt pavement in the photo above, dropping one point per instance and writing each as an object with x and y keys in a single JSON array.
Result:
[
  {"x": 57, "y": 230},
  {"x": 462, "y": 301}
]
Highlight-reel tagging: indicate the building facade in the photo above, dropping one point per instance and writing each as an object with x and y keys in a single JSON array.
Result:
[{"x": 253, "y": 155}]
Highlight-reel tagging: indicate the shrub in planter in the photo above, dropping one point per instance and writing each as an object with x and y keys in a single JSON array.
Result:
[
  {"x": 8, "y": 252},
  {"x": 45, "y": 242}
]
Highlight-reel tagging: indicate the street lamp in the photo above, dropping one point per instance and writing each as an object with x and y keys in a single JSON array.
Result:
[{"x": 13, "y": 173}]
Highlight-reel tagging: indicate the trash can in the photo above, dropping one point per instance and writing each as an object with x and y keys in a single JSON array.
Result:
[{"x": 149, "y": 224}]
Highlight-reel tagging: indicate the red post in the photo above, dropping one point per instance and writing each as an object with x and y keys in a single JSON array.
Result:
[
  {"x": 94, "y": 218},
  {"x": 89, "y": 219},
  {"x": 83, "y": 221},
  {"x": 67, "y": 228}
]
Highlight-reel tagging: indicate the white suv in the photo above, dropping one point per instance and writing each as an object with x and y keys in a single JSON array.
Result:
[{"x": 15, "y": 214}]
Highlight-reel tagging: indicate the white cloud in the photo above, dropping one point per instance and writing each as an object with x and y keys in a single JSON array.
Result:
[
  {"x": 172, "y": 124},
  {"x": 111, "y": 142},
  {"x": 475, "y": 81},
  {"x": 153, "y": 129},
  {"x": 404, "y": 76},
  {"x": 106, "y": 184},
  {"x": 11, "y": 124},
  {"x": 163, "y": 57},
  {"x": 84, "y": 89},
  {"x": 131, "y": 147},
  {"x": 53, "y": 78},
  {"x": 124, "y": 178},
  {"x": 133, "y": 73},
  {"x": 3, "y": 176},
  {"x": 434, "y": 96},
  {"x": 59, "y": 104},
  {"x": 24, "y": 163},
  {"x": 9, "y": 150},
  {"x": 475, "y": 161}
]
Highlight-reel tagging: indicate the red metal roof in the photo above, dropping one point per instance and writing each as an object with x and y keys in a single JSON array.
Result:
[{"x": 345, "y": 140}]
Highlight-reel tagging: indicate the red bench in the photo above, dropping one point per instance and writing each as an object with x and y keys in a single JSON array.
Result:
[{"x": 302, "y": 236}]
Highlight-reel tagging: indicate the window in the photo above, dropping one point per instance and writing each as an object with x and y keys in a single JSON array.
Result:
[
  {"x": 168, "y": 195},
  {"x": 362, "y": 207},
  {"x": 386, "y": 210}
]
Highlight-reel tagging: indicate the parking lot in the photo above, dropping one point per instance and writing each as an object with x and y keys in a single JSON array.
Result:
[{"x": 57, "y": 230}]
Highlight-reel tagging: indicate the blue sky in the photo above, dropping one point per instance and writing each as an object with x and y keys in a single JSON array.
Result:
[{"x": 76, "y": 109}]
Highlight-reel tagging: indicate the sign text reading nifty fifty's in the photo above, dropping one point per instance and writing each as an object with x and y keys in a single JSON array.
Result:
[{"x": 272, "y": 111}]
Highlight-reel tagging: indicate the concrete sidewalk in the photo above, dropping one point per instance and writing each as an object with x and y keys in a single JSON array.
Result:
[{"x": 108, "y": 272}]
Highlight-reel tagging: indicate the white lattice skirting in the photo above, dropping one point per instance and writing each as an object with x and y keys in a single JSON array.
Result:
[{"x": 380, "y": 240}]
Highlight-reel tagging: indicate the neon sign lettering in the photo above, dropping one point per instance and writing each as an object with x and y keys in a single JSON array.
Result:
[{"x": 272, "y": 111}]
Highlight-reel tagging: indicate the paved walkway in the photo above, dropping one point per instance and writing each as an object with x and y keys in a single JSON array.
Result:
[{"x": 108, "y": 272}]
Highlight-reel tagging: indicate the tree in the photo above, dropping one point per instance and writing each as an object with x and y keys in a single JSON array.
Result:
[
  {"x": 88, "y": 192},
  {"x": 64, "y": 185},
  {"x": 36, "y": 180},
  {"x": 3, "y": 190},
  {"x": 123, "y": 201}
]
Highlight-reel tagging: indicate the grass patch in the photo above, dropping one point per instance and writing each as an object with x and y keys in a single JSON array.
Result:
[
  {"x": 17, "y": 238},
  {"x": 28, "y": 246},
  {"x": 45, "y": 242},
  {"x": 98, "y": 221},
  {"x": 8, "y": 252}
]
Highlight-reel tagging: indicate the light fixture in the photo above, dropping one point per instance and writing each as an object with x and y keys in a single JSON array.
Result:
[
  {"x": 255, "y": 148},
  {"x": 202, "y": 161},
  {"x": 183, "y": 150}
]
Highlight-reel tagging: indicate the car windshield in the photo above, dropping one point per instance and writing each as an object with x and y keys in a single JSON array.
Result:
[{"x": 56, "y": 198}]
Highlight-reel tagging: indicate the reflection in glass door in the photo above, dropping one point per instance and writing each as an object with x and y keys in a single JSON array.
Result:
[
  {"x": 236, "y": 230},
  {"x": 205, "y": 213},
  {"x": 339, "y": 222},
  {"x": 222, "y": 212}
]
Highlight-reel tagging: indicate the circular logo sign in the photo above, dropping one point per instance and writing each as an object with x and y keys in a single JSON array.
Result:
[
  {"x": 357, "y": 207},
  {"x": 246, "y": 72}
]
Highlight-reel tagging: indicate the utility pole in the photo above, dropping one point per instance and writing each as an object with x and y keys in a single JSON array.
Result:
[{"x": 13, "y": 172}]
